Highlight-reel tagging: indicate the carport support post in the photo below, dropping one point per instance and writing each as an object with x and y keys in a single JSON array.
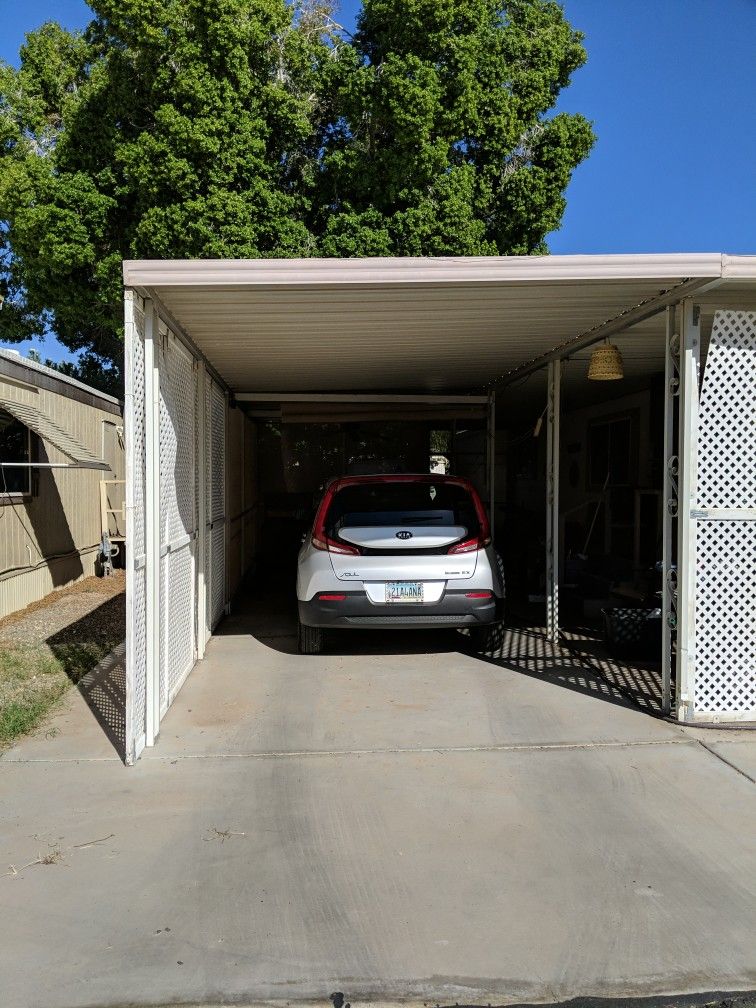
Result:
[
  {"x": 201, "y": 462},
  {"x": 152, "y": 524},
  {"x": 552, "y": 498},
  {"x": 690, "y": 346},
  {"x": 227, "y": 520},
  {"x": 669, "y": 504}
]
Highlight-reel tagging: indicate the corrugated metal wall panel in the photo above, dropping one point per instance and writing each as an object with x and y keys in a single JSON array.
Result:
[
  {"x": 235, "y": 500},
  {"x": 253, "y": 512}
]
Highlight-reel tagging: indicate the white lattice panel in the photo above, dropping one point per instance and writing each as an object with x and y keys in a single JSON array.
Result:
[
  {"x": 167, "y": 448},
  {"x": 218, "y": 584},
  {"x": 136, "y": 649},
  {"x": 235, "y": 558},
  {"x": 171, "y": 570},
  {"x": 198, "y": 517},
  {"x": 725, "y": 681},
  {"x": 137, "y": 448},
  {"x": 218, "y": 452},
  {"x": 725, "y": 601},
  {"x": 177, "y": 443},
  {"x": 180, "y": 627},
  {"x": 165, "y": 617},
  {"x": 177, "y": 515},
  {"x": 727, "y": 434},
  {"x": 167, "y": 445},
  {"x": 140, "y": 589}
]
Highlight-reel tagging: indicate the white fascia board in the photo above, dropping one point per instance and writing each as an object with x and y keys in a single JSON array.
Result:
[
  {"x": 417, "y": 271},
  {"x": 739, "y": 267}
]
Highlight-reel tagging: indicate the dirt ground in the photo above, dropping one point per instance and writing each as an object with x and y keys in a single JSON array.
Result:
[
  {"x": 63, "y": 608},
  {"x": 47, "y": 647}
]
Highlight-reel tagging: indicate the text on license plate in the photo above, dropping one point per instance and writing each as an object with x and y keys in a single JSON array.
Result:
[{"x": 404, "y": 591}]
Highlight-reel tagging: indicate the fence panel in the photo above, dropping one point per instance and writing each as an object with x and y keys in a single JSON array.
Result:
[
  {"x": 134, "y": 427},
  {"x": 178, "y": 529},
  {"x": 725, "y": 625}
]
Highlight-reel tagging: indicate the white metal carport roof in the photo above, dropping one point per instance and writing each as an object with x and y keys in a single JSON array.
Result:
[
  {"x": 443, "y": 328},
  {"x": 420, "y": 325}
]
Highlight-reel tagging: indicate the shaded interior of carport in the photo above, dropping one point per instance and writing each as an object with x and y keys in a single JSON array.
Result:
[{"x": 250, "y": 382}]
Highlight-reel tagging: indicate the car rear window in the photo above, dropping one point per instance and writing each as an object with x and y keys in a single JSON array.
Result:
[{"x": 378, "y": 505}]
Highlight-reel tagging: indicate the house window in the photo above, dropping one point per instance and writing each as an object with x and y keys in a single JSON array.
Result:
[
  {"x": 610, "y": 447},
  {"x": 15, "y": 446}
]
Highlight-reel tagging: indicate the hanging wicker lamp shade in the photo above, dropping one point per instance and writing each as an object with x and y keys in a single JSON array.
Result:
[{"x": 606, "y": 363}]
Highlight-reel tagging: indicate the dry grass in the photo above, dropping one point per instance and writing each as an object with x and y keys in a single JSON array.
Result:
[
  {"x": 55, "y": 855},
  {"x": 31, "y": 683}
]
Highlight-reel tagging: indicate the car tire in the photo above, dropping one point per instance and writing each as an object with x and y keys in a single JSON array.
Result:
[
  {"x": 310, "y": 639},
  {"x": 484, "y": 638},
  {"x": 501, "y": 603}
]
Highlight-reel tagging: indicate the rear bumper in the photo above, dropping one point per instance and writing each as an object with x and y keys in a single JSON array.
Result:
[{"x": 357, "y": 611}]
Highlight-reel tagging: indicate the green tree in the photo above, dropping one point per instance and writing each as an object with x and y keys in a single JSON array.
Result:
[
  {"x": 246, "y": 128},
  {"x": 171, "y": 128},
  {"x": 444, "y": 145}
]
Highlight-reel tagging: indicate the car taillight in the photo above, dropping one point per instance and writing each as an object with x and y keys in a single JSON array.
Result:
[
  {"x": 470, "y": 545},
  {"x": 319, "y": 539},
  {"x": 483, "y": 538},
  {"x": 479, "y": 594},
  {"x": 331, "y": 546},
  {"x": 331, "y": 597}
]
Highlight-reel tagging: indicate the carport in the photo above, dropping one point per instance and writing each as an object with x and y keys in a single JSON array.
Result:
[{"x": 212, "y": 345}]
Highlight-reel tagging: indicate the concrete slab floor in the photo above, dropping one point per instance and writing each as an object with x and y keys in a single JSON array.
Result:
[
  {"x": 741, "y": 754},
  {"x": 424, "y": 826}
]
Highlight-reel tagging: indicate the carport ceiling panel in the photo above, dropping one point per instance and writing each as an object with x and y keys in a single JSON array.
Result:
[{"x": 429, "y": 338}]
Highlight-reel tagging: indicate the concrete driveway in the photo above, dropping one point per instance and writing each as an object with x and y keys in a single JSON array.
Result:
[{"x": 399, "y": 821}]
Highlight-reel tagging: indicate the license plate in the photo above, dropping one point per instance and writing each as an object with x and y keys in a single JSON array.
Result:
[{"x": 404, "y": 591}]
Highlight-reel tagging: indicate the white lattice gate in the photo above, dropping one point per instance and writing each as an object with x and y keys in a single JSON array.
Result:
[
  {"x": 175, "y": 424},
  {"x": 136, "y": 572},
  {"x": 724, "y": 652},
  {"x": 178, "y": 525}
]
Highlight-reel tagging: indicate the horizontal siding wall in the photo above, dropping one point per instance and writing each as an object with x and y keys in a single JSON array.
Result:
[
  {"x": 52, "y": 539},
  {"x": 21, "y": 590}
]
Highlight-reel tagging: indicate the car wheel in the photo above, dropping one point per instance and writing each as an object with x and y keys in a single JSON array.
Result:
[
  {"x": 501, "y": 602},
  {"x": 310, "y": 639},
  {"x": 482, "y": 638}
]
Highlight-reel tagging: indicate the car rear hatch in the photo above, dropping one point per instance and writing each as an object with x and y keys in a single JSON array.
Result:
[{"x": 391, "y": 529}]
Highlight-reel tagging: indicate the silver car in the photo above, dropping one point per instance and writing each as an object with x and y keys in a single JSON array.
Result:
[{"x": 399, "y": 552}]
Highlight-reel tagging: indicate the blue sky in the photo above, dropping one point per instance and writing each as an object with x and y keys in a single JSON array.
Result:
[{"x": 669, "y": 86}]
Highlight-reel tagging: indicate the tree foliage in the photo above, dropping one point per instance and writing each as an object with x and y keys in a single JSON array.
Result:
[
  {"x": 253, "y": 128},
  {"x": 443, "y": 145}
]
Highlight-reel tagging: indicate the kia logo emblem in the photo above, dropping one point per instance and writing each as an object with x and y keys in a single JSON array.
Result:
[{"x": 404, "y": 535}]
